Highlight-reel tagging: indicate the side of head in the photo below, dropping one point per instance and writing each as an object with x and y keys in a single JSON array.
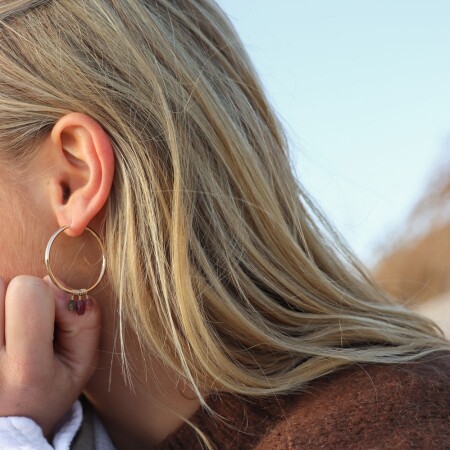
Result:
[{"x": 215, "y": 256}]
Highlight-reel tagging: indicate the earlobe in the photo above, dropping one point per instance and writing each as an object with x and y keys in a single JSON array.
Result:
[{"x": 84, "y": 169}]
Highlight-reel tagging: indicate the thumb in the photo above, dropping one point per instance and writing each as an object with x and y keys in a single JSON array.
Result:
[{"x": 76, "y": 336}]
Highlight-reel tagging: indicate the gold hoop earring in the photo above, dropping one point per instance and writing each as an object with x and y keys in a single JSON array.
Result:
[{"x": 75, "y": 305}]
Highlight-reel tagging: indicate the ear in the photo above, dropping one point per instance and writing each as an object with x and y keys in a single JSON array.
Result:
[{"x": 82, "y": 170}]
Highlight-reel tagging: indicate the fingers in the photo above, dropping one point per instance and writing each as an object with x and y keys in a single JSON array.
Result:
[
  {"x": 29, "y": 315},
  {"x": 77, "y": 336},
  {"x": 40, "y": 377},
  {"x": 31, "y": 308}
]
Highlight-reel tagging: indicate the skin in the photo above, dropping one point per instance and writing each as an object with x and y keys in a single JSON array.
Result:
[{"x": 68, "y": 183}]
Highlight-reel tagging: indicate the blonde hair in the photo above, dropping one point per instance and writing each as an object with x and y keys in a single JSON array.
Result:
[{"x": 219, "y": 259}]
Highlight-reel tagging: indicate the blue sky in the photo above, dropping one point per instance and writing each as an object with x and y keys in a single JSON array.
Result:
[{"x": 363, "y": 88}]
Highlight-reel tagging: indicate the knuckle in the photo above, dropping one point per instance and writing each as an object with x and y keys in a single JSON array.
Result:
[
  {"x": 27, "y": 289},
  {"x": 26, "y": 284}
]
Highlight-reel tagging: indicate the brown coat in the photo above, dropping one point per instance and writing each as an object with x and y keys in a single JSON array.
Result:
[
  {"x": 378, "y": 406},
  {"x": 370, "y": 407}
]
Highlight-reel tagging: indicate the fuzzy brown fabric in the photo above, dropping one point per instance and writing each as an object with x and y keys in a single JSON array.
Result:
[{"x": 380, "y": 406}]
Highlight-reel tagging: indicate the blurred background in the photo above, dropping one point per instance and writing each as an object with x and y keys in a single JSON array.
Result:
[{"x": 363, "y": 89}]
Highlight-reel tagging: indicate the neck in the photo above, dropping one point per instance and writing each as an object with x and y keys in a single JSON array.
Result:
[
  {"x": 139, "y": 419},
  {"x": 143, "y": 414}
]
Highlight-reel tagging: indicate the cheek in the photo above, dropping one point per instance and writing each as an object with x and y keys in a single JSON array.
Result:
[{"x": 22, "y": 237}]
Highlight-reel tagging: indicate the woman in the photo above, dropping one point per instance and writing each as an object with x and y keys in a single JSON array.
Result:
[{"x": 231, "y": 314}]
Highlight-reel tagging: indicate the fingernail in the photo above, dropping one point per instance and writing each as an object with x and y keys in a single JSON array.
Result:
[
  {"x": 83, "y": 305},
  {"x": 89, "y": 302}
]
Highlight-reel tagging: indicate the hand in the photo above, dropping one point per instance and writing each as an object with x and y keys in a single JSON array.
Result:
[{"x": 41, "y": 377}]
